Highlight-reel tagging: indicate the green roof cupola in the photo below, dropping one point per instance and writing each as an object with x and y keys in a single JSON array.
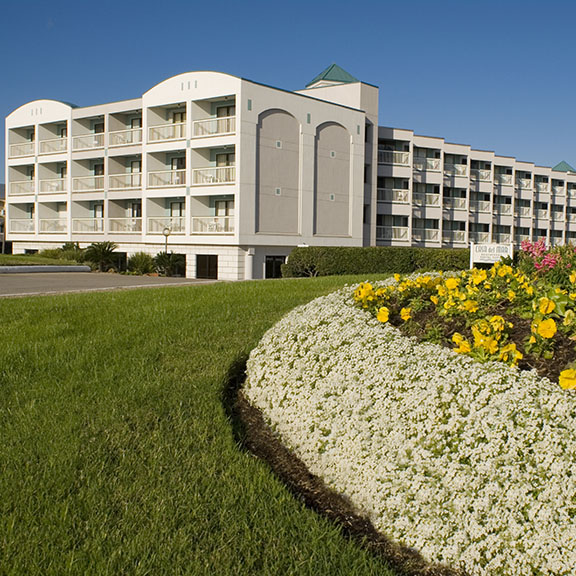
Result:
[
  {"x": 563, "y": 167},
  {"x": 331, "y": 76}
]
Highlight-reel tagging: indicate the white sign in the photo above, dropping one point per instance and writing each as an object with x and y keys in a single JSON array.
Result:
[{"x": 489, "y": 253}]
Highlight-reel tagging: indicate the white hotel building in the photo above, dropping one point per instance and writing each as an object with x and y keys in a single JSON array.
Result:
[{"x": 234, "y": 174}]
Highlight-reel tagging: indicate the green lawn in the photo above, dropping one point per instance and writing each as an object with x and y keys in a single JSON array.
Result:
[
  {"x": 32, "y": 260},
  {"x": 116, "y": 454}
]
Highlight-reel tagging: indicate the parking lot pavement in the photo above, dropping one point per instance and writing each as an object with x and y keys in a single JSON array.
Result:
[{"x": 13, "y": 285}]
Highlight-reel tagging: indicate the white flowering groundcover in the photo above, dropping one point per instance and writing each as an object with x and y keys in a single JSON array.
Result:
[{"x": 473, "y": 465}]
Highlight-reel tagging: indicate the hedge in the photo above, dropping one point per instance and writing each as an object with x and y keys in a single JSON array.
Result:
[{"x": 335, "y": 261}]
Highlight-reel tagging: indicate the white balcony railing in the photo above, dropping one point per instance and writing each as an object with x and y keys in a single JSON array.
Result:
[
  {"x": 221, "y": 175},
  {"x": 88, "y": 141},
  {"x": 213, "y": 225},
  {"x": 429, "y": 164},
  {"x": 22, "y": 149},
  {"x": 524, "y": 183},
  {"x": 125, "y": 225},
  {"x": 53, "y": 225},
  {"x": 22, "y": 226},
  {"x": 394, "y": 157},
  {"x": 53, "y": 146},
  {"x": 543, "y": 214},
  {"x": 215, "y": 126},
  {"x": 558, "y": 190},
  {"x": 557, "y": 216},
  {"x": 503, "y": 238},
  {"x": 393, "y": 195},
  {"x": 480, "y": 237},
  {"x": 420, "y": 199},
  {"x": 53, "y": 185},
  {"x": 88, "y": 225},
  {"x": 454, "y": 235},
  {"x": 22, "y": 187},
  {"x": 167, "y": 178},
  {"x": 176, "y": 225},
  {"x": 542, "y": 186},
  {"x": 423, "y": 234},
  {"x": 455, "y": 203},
  {"x": 129, "y": 181},
  {"x": 456, "y": 169},
  {"x": 519, "y": 238},
  {"x": 525, "y": 211},
  {"x": 125, "y": 137},
  {"x": 504, "y": 179},
  {"x": 481, "y": 174},
  {"x": 165, "y": 132},
  {"x": 88, "y": 184},
  {"x": 504, "y": 209},
  {"x": 391, "y": 233},
  {"x": 483, "y": 206}
]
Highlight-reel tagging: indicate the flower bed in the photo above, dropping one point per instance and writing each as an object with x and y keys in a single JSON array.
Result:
[{"x": 471, "y": 464}]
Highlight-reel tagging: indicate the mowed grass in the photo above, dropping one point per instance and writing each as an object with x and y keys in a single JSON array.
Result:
[
  {"x": 116, "y": 454},
  {"x": 32, "y": 260}
]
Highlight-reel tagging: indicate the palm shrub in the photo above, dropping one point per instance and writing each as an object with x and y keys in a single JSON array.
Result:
[
  {"x": 101, "y": 254},
  {"x": 170, "y": 264},
  {"x": 141, "y": 263}
]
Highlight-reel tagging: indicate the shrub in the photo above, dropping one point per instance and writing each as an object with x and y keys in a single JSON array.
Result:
[
  {"x": 68, "y": 251},
  {"x": 101, "y": 254},
  {"x": 170, "y": 264},
  {"x": 141, "y": 263}
]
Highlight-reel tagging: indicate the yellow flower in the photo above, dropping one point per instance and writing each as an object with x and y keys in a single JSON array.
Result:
[
  {"x": 406, "y": 314},
  {"x": 452, "y": 283},
  {"x": 532, "y": 340},
  {"x": 569, "y": 318},
  {"x": 510, "y": 354},
  {"x": 498, "y": 323},
  {"x": 511, "y": 295},
  {"x": 463, "y": 346},
  {"x": 568, "y": 379},
  {"x": 573, "y": 278},
  {"x": 383, "y": 314},
  {"x": 434, "y": 299},
  {"x": 397, "y": 277},
  {"x": 547, "y": 328},
  {"x": 470, "y": 306},
  {"x": 546, "y": 305}
]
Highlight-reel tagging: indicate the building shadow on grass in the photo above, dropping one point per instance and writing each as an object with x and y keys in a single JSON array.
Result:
[{"x": 253, "y": 434}]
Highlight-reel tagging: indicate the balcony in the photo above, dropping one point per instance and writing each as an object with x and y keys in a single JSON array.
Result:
[
  {"x": 503, "y": 209},
  {"x": 213, "y": 225},
  {"x": 131, "y": 181},
  {"x": 456, "y": 169},
  {"x": 482, "y": 206},
  {"x": 53, "y": 225},
  {"x": 125, "y": 225},
  {"x": 420, "y": 199},
  {"x": 480, "y": 237},
  {"x": 22, "y": 187},
  {"x": 391, "y": 233},
  {"x": 541, "y": 214},
  {"x": 542, "y": 186},
  {"x": 22, "y": 226},
  {"x": 22, "y": 149},
  {"x": 214, "y": 126},
  {"x": 524, "y": 183},
  {"x": 519, "y": 238},
  {"x": 481, "y": 175},
  {"x": 393, "y": 195},
  {"x": 53, "y": 186},
  {"x": 209, "y": 176},
  {"x": 525, "y": 211},
  {"x": 424, "y": 234},
  {"x": 428, "y": 164},
  {"x": 88, "y": 184},
  {"x": 167, "y": 132},
  {"x": 503, "y": 238},
  {"x": 557, "y": 216},
  {"x": 53, "y": 146},
  {"x": 167, "y": 179},
  {"x": 125, "y": 137},
  {"x": 504, "y": 179},
  {"x": 88, "y": 141},
  {"x": 558, "y": 190},
  {"x": 455, "y": 203},
  {"x": 394, "y": 157},
  {"x": 176, "y": 225},
  {"x": 454, "y": 235},
  {"x": 88, "y": 225}
]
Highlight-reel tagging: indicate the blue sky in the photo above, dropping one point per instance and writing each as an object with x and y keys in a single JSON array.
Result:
[{"x": 495, "y": 75}]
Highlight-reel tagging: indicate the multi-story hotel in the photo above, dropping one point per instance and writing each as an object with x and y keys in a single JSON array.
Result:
[{"x": 234, "y": 174}]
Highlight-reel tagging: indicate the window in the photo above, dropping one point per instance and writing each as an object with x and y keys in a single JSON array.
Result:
[
  {"x": 98, "y": 169},
  {"x": 225, "y": 111},
  {"x": 98, "y": 127},
  {"x": 225, "y": 159},
  {"x": 274, "y": 266},
  {"x": 178, "y": 117},
  {"x": 136, "y": 123}
]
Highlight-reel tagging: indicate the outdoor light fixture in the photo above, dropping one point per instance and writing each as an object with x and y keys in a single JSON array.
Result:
[{"x": 166, "y": 233}]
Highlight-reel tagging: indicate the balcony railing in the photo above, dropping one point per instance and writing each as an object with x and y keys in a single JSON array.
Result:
[
  {"x": 524, "y": 183},
  {"x": 88, "y": 184},
  {"x": 393, "y": 195},
  {"x": 22, "y": 187},
  {"x": 53, "y": 146},
  {"x": 165, "y": 132},
  {"x": 125, "y": 137},
  {"x": 481, "y": 174},
  {"x": 221, "y": 175},
  {"x": 53, "y": 225},
  {"x": 214, "y": 126},
  {"x": 420, "y": 199},
  {"x": 167, "y": 178},
  {"x": 456, "y": 169},
  {"x": 430, "y": 164},
  {"x": 88, "y": 225},
  {"x": 455, "y": 203},
  {"x": 504, "y": 209},
  {"x": 542, "y": 186},
  {"x": 558, "y": 190},
  {"x": 557, "y": 216},
  {"x": 129, "y": 181},
  {"x": 482, "y": 206},
  {"x": 504, "y": 179},
  {"x": 125, "y": 225},
  {"x": 213, "y": 225},
  {"x": 88, "y": 141},
  {"x": 53, "y": 185},
  {"x": 454, "y": 235},
  {"x": 176, "y": 225},
  {"x": 423, "y": 234},
  {"x": 503, "y": 238},
  {"x": 480, "y": 237},
  {"x": 541, "y": 214},
  {"x": 392, "y": 233},
  {"x": 519, "y": 238},
  {"x": 525, "y": 211},
  {"x": 22, "y": 226},
  {"x": 22, "y": 149},
  {"x": 394, "y": 157}
]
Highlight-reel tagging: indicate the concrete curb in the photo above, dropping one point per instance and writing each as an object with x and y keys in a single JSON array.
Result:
[{"x": 32, "y": 269}]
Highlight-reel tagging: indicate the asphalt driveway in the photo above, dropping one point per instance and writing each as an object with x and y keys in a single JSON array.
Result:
[{"x": 13, "y": 285}]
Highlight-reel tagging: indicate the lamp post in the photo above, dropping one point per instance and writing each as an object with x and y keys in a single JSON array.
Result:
[{"x": 166, "y": 233}]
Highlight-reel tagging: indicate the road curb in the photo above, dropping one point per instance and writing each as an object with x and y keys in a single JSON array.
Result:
[{"x": 34, "y": 269}]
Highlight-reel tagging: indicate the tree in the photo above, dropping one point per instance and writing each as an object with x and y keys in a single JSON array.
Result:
[{"x": 101, "y": 254}]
